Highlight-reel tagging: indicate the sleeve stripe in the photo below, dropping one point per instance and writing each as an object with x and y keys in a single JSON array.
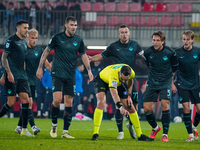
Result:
[
  {"x": 6, "y": 51},
  {"x": 82, "y": 53},
  {"x": 49, "y": 47},
  {"x": 103, "y": 55}
]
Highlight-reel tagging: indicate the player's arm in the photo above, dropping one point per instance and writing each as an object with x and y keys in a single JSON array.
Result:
[
  {"x": 43, "y": 58},
  {"x": 117, "y": 101},
  {"x": 174, "y": 89},
  {"x": 47, "y": 65},
  {"x": 87, "y": 65},
  {"x": 2, "y": 80},
  {"x": 97, "y": 57},
  {"x": 5, "y": 64}
]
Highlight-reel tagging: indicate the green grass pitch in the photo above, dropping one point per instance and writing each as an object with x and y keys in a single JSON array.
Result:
[{"x": 83, "y": 130}]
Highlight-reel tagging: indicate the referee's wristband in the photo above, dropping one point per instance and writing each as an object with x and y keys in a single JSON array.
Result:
[{"x": 119, "y": 105}]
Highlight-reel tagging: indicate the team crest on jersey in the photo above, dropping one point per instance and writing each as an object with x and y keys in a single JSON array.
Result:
[
  {"x": 9, "y": 91},
  {"x": 19, "y": 44},
  {"x": 114, "y": 84},
  {"x": 165, "y": 58},
  {"x": 7, "y": 45},
  {"x": 130, "y": 48},
  {"x": 36, "y": 53},
  {"x": 180, "y": 99},
  {"x": 53, "y": 87},
  {"x": 75, "y": 43},
  {"x": 195, "y": 56}
]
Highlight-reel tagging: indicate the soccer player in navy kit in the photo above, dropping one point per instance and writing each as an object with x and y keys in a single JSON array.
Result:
[
  {"x": 66, "y": 46},
  {"x": 32, "y": 60},
  {"x": 188, "y": 82},
  {"x": 162, "y": 62},
  {"x": 16, "y": 80},
  {"x": 124, "y": 51}
]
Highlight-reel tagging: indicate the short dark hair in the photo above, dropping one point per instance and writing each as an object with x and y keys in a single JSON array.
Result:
[
  {"x": 159, "y": 33},
  {"x": 123, "y": 26},
  {"x": 126, "y": 70},
  {"x": 69, "y": 18},
  {"x": 20, "y": 22}
]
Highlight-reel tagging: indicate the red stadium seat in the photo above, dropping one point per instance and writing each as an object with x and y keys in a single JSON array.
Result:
[
  {"x": 110, "y": 6},
  {"x": 86, "y": 6},
  {"x": 152, "y": 21},
  {"x": 114, "y": 21},
  {"x": 101, "y": 21},
  {"x": 165, "y": 21},
  {"x": 39, "y": 4},
  {"x": 123, "y": 7},
  {"x": 174, "y": 7},
  {"x": 186, "y": 7},
  {"x": 27, "y": 4},
  {"x": 128, "y": 20},
  {"x": 98, "y": 6},
  {"x": 161, "y": 7},
  {"x": 135, "y": 7},
  {"x": 140, "y": 21},
  {"x": 149, "y": 7},
  {"x": 178, "y": 21}
]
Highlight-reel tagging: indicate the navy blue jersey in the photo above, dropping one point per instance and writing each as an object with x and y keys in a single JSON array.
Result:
[
  {"x": 66, "y": 51},
  {"x": 188, "y": 69},
  {"x": 32, "y": 61},
  {"x": 161, "y": 66},
  {"x": 16, "y": 48},
  {"x": 123, "y": 53}
]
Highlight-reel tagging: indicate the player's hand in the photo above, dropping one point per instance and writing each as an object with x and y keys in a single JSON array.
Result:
[
  {"x": 2, "y": 80},
  {"x": 39, "y": 73},
  {"x": 129, "y": 101},
  {"x": 89, "y": 58},
  {"x": 174, "y": 89},
  {"x": 11, "y": 77},
  {"x": 90, "y": 75},
  {"x": 123, "y": 111}
]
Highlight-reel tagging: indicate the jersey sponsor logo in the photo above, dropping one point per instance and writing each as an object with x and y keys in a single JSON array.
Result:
[
  {"x": 114, "y": 84},
  {"x": 36, "y": 53},
  {"x": 181, "y": 57},
  {"x": 195, "y": 56},
  {"x": 165, "y": 58},
  {"x": 62, "y": 41},
  {"x": 7, "y": 45},
  {"x": 19, "y": 44},
  {"x": 130, "y": 48},
  {"x": 75, "y": 43},
  {"x": 53, "y": 87}
]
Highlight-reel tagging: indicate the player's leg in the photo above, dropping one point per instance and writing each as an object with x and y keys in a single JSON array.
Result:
[
  {"x": 100, "y": 88},
  {"x": 150, "y": 96},
  {"x": 184, "y": 96},
  {"x": 57, "y": 85},
  {"x": 135, "y": 121},
  {"x": 23, "y": 90},
  {"x": 69, "y": 90},
  {"x": 10, "y": 92}
]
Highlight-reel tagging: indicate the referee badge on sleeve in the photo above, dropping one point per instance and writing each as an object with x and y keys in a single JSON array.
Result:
[
  {"x": 7, "y": 45},
  {"x": 114, "y": 84}
]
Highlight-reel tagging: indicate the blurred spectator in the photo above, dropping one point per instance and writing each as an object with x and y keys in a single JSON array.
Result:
[
  {"x": 9, "y": 19},
  {"x": 139, "y": 1},
  {"x": 2, "y": 9},
  {"x": 111, "y": 0},
  {"x": 75, "y": 10},
  {"x": 59, "y": 16},
  {"x": 41, "y": 91},
  {"x": 174, "y": 102},
  {"x": 22, "y": 12},
  {"x": 100, "y": 1},
  {"x": 34, "y": 16},
  {"x": 46, "y": 18},
  {"x": 48, "y": 98}
]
